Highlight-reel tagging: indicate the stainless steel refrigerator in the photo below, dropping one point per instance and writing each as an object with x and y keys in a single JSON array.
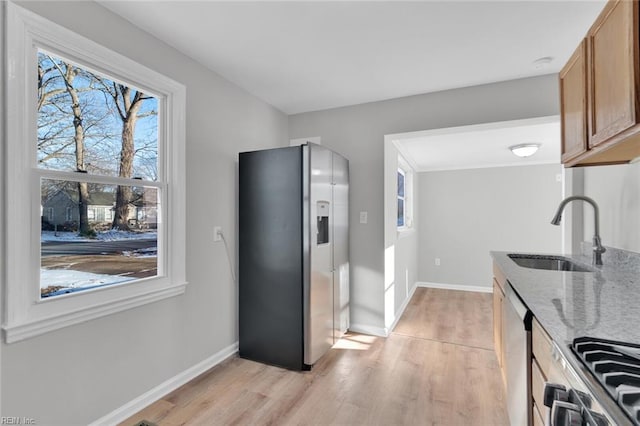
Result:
[{"x": 293, "y": 254}]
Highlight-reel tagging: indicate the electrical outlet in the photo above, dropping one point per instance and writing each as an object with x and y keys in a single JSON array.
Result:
[
  {"x": 437, "y": 261},
  {"x": 217, "y": 233}
]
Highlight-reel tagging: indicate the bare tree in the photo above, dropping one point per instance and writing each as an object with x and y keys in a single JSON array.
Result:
[
  {"x": 87, "y": 123},
  {"x": 128, "y": 104},
  {"x": 68, "y": 74},
  {"x": 55, "y": 130}
]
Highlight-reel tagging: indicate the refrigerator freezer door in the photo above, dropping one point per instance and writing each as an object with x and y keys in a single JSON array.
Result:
[
  {"x": 319, "y": 324},
  {"x": 340, "y": 245},
  {"x": 270, "y": 255}
]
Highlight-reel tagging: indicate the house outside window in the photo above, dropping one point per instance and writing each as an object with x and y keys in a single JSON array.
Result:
[
  {"x": 49, "y": 214},
  {"x": 97, "y": 137}
]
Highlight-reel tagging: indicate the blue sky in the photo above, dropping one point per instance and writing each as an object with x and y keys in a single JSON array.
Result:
[{"x": 102, "y": 143}]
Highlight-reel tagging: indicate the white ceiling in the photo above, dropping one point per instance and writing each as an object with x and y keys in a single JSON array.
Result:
[
  {"x": 479, "y": 146},
  {"x": 307, "y": 56}
]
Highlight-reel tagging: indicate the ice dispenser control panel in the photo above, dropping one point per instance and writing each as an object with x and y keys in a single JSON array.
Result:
[{"x": 322, "y": 209}]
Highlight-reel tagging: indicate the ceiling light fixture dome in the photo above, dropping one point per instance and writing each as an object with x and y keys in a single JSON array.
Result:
[
  {"x": 524, "y": 149},
  {"x": 542, "y": 63}
]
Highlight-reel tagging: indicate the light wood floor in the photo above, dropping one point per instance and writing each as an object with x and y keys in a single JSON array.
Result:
[{"x": 436, "y": 368}]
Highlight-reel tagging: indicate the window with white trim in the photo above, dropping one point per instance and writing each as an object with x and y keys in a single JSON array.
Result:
[
  {"x": 404, "y": 195},
  {"x": 401, "y": 199},
  {"x": 99, "y": 137}
]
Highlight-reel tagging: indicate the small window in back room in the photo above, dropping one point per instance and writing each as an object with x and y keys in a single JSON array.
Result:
[
  {"x": 401, "y": 199},
  {"x": 404, "y": 195}
]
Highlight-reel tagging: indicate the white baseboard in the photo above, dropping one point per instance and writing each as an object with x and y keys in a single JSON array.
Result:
[
  {"x": 384, "y": 331},
  {"x": 476, "y": 288},
  {"x": 368, "y": 329},
  {"x": 402, "y": 308},
  {"x": 148, "y": 398}
]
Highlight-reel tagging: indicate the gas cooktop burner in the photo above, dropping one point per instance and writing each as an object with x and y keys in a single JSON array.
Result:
[{"x": 616, "y": 366}]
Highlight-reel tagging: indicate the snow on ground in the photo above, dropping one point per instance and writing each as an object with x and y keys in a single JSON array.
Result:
[
  {"x": 75, "y": 279},
  {"x": 145, "y": 252},
  {"x": 111, "y": 235}
]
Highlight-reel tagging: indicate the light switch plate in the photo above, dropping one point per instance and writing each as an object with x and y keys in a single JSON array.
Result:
[{"x": 363, "y": 217}]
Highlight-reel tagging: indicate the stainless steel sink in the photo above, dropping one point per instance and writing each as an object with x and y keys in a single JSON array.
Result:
[{"x": 549, "y": 263}]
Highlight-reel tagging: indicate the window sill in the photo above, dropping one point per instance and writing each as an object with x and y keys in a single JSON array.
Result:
[
  {"x": 405, "y": 232},
  {"x": 17, "y": 331}
]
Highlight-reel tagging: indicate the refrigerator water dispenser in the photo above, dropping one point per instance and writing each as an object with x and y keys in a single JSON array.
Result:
[{"x": 323, "y": 222}]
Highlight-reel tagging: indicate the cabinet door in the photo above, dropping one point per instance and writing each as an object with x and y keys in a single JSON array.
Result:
[
  {"x": 612, "y": 49},
  {"x": 573, "y": 104},
  {"x": 538, "y": 380},
  {"x": 497, "y": 320}
]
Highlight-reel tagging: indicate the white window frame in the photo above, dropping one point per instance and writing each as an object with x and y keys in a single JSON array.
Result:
[
  {"x": 401, "y": 197},
  {"x": 25, "y": 313},
  {"x": 407, "y": 172}
]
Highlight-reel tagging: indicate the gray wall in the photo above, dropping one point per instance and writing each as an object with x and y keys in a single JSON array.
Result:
[
  {"x": 78, "y": 374},
  {"x": 616, "y": 189},
  {"x": 400, "y": 247},
  {"x": 358, "y": 132},
  {"x": 466, "y": 213}
]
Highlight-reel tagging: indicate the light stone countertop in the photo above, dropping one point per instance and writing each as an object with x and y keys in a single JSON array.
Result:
[{"x": 603, "y": 304}]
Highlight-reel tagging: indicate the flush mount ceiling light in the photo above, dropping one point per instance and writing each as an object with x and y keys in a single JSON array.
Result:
[
  {"x": 542, "y": 63},
  {"x": 524, "y": 149}
]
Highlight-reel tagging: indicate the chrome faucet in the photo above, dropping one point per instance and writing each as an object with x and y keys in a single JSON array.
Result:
[{"x": 597, "y": 244}]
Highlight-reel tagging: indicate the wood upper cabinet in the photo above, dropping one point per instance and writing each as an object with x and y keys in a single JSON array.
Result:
[
  {"x": 599, "y": 91},
  {"x": 613, "y": 71},
  {"x": 573, "y": 106}
]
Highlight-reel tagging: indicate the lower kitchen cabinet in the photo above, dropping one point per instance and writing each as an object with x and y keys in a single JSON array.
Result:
[
  {"x": 543, "y": 369},
  {"x": 538, "y": 419},
  {"x": 538, "y": 379},
  {"x": 541, "y": 347}
]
